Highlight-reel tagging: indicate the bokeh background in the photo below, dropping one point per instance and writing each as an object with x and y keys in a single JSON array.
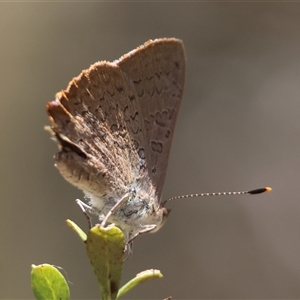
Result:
[{"x": 238, "y": 129}]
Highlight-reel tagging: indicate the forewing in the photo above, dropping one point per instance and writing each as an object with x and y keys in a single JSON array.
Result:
[{"x": 157, "y": 70}]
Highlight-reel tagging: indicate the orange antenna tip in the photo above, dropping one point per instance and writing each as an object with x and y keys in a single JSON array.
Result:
[{"x": 260, "y": 190}]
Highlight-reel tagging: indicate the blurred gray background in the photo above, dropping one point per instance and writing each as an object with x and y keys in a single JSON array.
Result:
[{"x": 238, "y": 129}]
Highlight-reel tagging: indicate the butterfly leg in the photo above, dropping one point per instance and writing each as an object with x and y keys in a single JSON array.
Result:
[
  {"x": 85, "y": 209},
  {"x": 148, "y": 229},
  {"x": 114, "y": 208},
  {"x": 129, "y": 243}
]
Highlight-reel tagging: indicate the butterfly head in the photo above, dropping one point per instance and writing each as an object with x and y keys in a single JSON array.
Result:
[{"x": 162, "y": 215}]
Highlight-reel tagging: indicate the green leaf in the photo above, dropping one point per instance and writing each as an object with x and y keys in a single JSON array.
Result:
[
  {"x": 48, "y": 283},
  {"x": 105, "y": 249},
  {"x": 140, "y": 278},
  {"x": 77, "y": 229}
]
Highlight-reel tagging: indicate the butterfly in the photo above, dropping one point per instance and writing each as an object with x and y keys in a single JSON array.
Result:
[{"x": 114, "y": 126}]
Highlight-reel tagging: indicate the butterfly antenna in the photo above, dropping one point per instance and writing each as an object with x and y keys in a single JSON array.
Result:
[{"x": 252, "y": 192}]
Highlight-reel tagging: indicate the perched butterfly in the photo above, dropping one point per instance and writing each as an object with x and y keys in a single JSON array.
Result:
[{"x": 114, "y": 124}]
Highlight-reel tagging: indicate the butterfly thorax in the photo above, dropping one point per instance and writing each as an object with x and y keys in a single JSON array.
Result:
[{"x": 138, "y": 210}]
